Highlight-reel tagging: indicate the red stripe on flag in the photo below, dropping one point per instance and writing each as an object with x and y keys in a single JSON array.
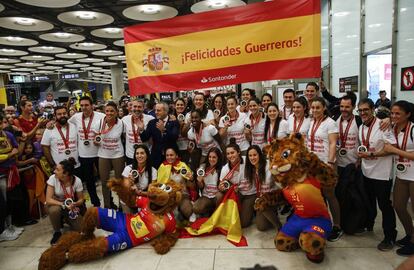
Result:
[
  {"x": 251, "y": 13},
  {"x": 283, "y": 69}
]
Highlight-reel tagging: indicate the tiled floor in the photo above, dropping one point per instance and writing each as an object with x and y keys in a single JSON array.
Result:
[{"x": 213, "y": 252}]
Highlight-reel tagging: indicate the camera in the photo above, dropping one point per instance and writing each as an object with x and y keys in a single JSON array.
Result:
[{"x": 201, "y": 172}]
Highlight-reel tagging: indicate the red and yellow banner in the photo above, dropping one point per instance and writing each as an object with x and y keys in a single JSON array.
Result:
[{"x": 262, "y": 41}]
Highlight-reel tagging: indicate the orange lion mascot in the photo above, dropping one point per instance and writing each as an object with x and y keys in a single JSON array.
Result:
[
  {"x": 301, "y": 175},
  {"x": 155, "y": 222}
]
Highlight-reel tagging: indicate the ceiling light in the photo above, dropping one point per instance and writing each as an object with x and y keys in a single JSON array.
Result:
[
  {"x": 150, "y": 9},
  {"x": 4, "y": 59},
  {"x": 16, "y": 39},
  {"x": 62, "y": 35},
  {"x": 112, "y": 30},
  {"x": 8, "y": 50},
  {"x": 216, "y": 4},
  {"x": 87, "y": 44},
  {"x": 58, "y": 61},
  {"x": 47, "y": 48},
  {"x": 37, "y": 56},
  {"x": 85, "y": 15},
  {"x": 374, "y": 25},
  {"x": 107, "y": 51},
  {"x": 403, "y": 9},
  {"x": 341, "y": 14},
  {"x": 29, "y": 63},
  {"x": 71, "y": 54},
  {"x": 25, "y": 21}
]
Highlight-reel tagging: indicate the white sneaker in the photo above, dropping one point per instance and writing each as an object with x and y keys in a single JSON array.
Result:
[
  {"x": 8, "y": 235},
  {"x": 192, "y": 218},
  {"x": 19, "y": 230}
]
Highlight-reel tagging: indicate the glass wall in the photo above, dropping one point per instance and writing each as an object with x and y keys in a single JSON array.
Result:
[{"x": 378, "y": 24}]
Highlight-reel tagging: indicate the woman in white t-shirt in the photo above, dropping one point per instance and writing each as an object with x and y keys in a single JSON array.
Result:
[
  {"x": 299, "y": 121},
  {"x": 219, "y": 108},
  {"x": 182, "y": 141},
  {"x": 139, "y": 174},
  {"x": 322, "y": 137},
  {"x": 232, "y": 125},
  {"x": 111, "y": 150},
  {"x": 204, "y": 135},
  {"x": 402, "y": 115},
  {"x": 207, "y": 182},
  {"x": 64, "y": 198},
  {"x": 199, "y": 103},
  {"x": 275, "y": 125},
  {"x": 255, "y": 123}
]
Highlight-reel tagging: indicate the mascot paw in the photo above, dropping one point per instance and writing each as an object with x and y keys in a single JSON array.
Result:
[
  {"x": 312, "y": 243},
  {"x": 67, "y": 240},
  {"x": 285, "y": 243},
  {"x": 52, "y": 259},
  {"x": 114, "y": 183},
  {"x": 259, "y": 204}
]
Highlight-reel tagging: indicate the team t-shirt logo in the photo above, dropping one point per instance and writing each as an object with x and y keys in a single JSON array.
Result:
[{"x": 138, "y": 227}]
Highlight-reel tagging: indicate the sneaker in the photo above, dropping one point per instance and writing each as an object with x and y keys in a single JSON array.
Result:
[
  {"x": 192, "y": 218},
  {"x": 17, "y": 229},
  {"x": 55, "y": 238},
  {"x": 386, "y": 245},
  {"x": 315, "y": 258},
  {"x": 406, "y": 250},
  {"x": 8, "y": 235},
  {"x": 403, "y": 241},
  {"x": 336, "y": 233}
]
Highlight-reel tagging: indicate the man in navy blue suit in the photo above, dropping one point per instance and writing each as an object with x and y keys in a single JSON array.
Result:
[{"x": 164, "y": 133}]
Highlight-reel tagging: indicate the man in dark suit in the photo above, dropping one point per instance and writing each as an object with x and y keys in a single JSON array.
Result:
[{"x": 164, "y": 133}]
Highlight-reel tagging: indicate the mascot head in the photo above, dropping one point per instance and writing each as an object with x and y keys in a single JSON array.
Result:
[
  {"x": 289, "y": 159},
  {"x": 164, "y": 197}
]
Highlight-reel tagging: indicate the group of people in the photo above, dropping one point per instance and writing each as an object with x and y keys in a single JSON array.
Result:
[{"x": 215, "y": 143}]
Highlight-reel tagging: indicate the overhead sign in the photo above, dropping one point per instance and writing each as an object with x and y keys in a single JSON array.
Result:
[
  {"x": 44, "y": 77},
  {"x": 261, "y": 41},
  {"x": 407, "y": 79},
  {"x": 71, "y": 76},
  {"x": 348, "y": 84}
]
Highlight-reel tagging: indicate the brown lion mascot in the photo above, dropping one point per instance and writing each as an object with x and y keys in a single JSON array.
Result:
[
  {"x": 302, "y": 176},
  {"x": 154, "y": 222}
]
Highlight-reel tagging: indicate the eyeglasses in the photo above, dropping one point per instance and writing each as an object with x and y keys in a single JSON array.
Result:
[{"x": 363, "y": 110}]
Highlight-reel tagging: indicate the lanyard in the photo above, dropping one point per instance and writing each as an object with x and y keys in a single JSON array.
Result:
[
  {"x": 198, "y": 134},
  {"x": 105, "y": 131},
  {"x": 344, "y": 136},
  {"x": 405, "y": 138},
  {"x": 135, "y": 131},
  {"x": 209, "y": 171},
  {"x": 270, "y": 132},
  {"x": 296, "y": 129},
  {"x": 365, "y": 141},
  {"x": 253, "y": 121},
  {"x": 65, "y": 139},
  {"x": 232, "y": 120},
  {"x": 65, "y": 192},
  {"x": 87, "y": 130},
  {"x": 230, "y": 174},
  {"x": 258, "y": 186},
  {"x": 315, "y": 127}
]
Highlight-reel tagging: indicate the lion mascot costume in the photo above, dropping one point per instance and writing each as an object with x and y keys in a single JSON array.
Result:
[
  {"x": 154, "y": 222},
  {"x": 302, "y": 176}
]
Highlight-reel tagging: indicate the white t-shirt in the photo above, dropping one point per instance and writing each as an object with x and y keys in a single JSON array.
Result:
[
  {"x": 207, "y": 119},
  {"x": 111, "y": 145},
  {"x": 245, "y": 187},
  {"x": 90, "y": 150},
  {"x": 352, "y": 143},
  {"x": 236, "y": 130},
  {"x": 257, "y": 129},
  {"x": 409, "y": 164},
  {"x": 207, "y": 140},
  {"x": 143, "y": 180},
  {"x": 52, "y": 138},
  {"x": 236, "y": 175},
  {"x": 304, "y": 128},
  {"x": 286, "y": 112},
  {"x": 210, "y": 184},
  {"x": 269, "y": 184},
  {"x": 378, "y": 168},
  {"x": 129, "y": 133},
  {"x": 59, "y": 194},
  {"x": 321, "y": 139}
]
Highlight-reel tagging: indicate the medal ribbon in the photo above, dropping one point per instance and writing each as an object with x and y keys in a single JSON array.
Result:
[
  {"x": 269, "y": 133},
  {"x": 344, "y": 136},
  {"x": 105, "y": 131},
  {"x": 253, "y": 121},
  {"x": 232, "y": 120},
  {"x": 296, "y": 129},
  {"x": 135, "y": 131},
  {"x": 67, "y": 195},
  {"x": 209, "y": 171},
  {"x": 86, "y": 130},
  {"x": 231, "y": 172},
  {"x": 315, "y": 128},
  {"x": 365, "y": 141},
  {"x": 65, "y": 139},
  {"x": 258, "y": 186},
  {"x": 198, "y": 134},
  {"x": 405, "y": 139}
]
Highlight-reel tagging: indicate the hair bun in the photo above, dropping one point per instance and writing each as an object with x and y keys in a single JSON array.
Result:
[
  {"x": 232, "y": 140},
  {"x": 72, "y": 161}
]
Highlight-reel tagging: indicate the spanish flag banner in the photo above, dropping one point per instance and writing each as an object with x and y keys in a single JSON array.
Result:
[
  {"x": 261, "y": 41},
  {"x": 224, "y": 220}
]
